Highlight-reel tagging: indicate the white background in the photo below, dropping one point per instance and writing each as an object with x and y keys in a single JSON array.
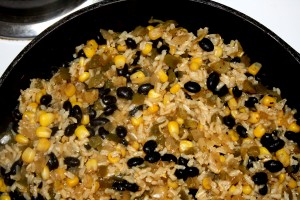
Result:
[{"x": 280, "y": 16}]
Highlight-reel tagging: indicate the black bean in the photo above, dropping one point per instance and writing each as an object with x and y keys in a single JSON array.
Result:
[
  {"x": 91, "y": 131},
  {"x": 273, "y": 165},
  {"x": 155, "y": 42},
  {"x": 136, "y": 58},
  {"x": 119, "y": 185},
  {"x": 293, "y": 168},
  {"x": 260, "y": 178},
  {"x": 135, "y": 161},
  {"x": 212, "y": 81},
  {"x": 169, "y": 158},
  {"x": 87, "y": 147},
  {"x": 99, "y": 121},
  {"x": 70, "y": 129},
  {"x": 46, "y": 99},
  {"x": 162, "y": 48},
  {"x": 76, "y": 113},
  {"x": 132, "y": 187},
  {"x": 236, "y": 60},
  {"x": 229, "y": 121},
  {"x": 187, "y": 96},
  {"x": 192, "y": 171},
  {"x": 54, "y": 130},
  {"x": 242, "y": 131},
  {"x": 136, "y": 69},
  {"x": 103, "y": 91},
  {"x": 263, "y": 190},
  {"x": 8, "y": 180},
  {"x": 2, "y": 171},
  {"x": 250, "y": 162},
  {"x": 125, "y": 93},
  {"x": 181, "y": 174},
  {"x": 109, "y": 99},
  {"x": 110, "y": 109},
  {"x": 149, "y": 146},
  {"x": 250, "y": 103},
  {"x": 145, "y": 88},
  {"x": 124, "y": 142},
  {"x": 91, "y": 112},
  {"x": 236, "y": 92},
  {"x": 193, "y": 192},
  {"x": 135, "y": 109},
  {"x": 15, "y": 166},
  {"x": 270, "y": 143},
  {"x": 16, "y": 195},
  {"x": 52, "y": 162},
  {"x": 123, "y": 71},
  {"x": 15, "y": 126},
  {"x": 102, "y": 132},
  {"x": 16, "y": 114},
  {"x": 38, "y": 197},
  {"x": 290, "y": 135},
  {"x": 152, "y": 157},
  {"x": 71, "y": 162},
  {"x": 206, "y": 45},
  {"x": 67, "y": 105},
  {"x": 182, "y": 161},
  {"x": 80, "y": 53},
  {"x": 222, "y": 91},
  {"x": 40, "y": 185},
  {"x": 130, "y": 43},
  {"x": 192, "y": 87},
  {"x": 121, "y": 131}
]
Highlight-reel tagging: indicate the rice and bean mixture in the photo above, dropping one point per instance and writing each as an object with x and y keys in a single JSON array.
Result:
[{"x": 155, "y": 113}]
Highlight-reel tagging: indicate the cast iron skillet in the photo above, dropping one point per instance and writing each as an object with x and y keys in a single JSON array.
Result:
[{"x": 56, "y": 44}]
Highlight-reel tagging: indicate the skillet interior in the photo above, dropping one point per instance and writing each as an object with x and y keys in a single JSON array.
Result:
[{"x": 56, "y": 44}]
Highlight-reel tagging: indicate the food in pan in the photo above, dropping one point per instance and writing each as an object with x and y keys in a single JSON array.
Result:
[{"x": 159, "y": 112}]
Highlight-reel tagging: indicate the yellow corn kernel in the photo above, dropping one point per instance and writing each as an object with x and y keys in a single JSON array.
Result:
[
  {"x": 45, "y": 119},
  {"x": 29, "y": 116},
  {"x": 254, "y": 68},
  {"x": 150, "y": 27},
  {"x": 147, "y": 48},
  {"x": 292, "y": 184},
  {"x": 268, "y": 101},
  {"x": 254, "y": 117},
  {"x": 28, "y": 155},
  {"x": 119, "y": 61},
  {"x": 247, "y": 189},
  {"x": 153, "y": 109},
  {"x": 84, "y": 76},
  {"x": 71, "y": 182},
  {"x": 218, "y": 51},
  {"x": 113, "y": 157},
  {"x": 197, "y": 60},
  {"x": 76, "y": 103},
  {"x": 175, "y": 88},
  {"x": 172, "y": 49},
  {"x": 163, "y": 77},
  {"x": 32, "y": 107},
  {"x": 60, "y": 173},
  {"x": 81, "y": 61},
  {"x": 39, "y": 95},
  {"x": 152, "y": 94},
  {"x": 73, "y": 99},
  {"x": 5, "y": 197},
  {"x": 283, "y": 157},
  {"x": 135, "y": 145},
  {"x": 172, "y": 184},
  {"x": 227, "y": 111},
  {"x": 173, "y": 128},
  {"x": 121, "y": 47},
  {"x": 97, "y": 185},
  {"x": 70, "y": 90},
  {"x": 294, "y": 127},
  {"x": 259, "y": 131},
  {"x": 264, "y": 151},
  {"x": 91, "y": 165},
  {"x": 121, "y": 150},
  {"x": 185, "y": 146},
  {"x": 206, "y": 183},
  {"x": 194, "y": 66},
  {"x": 45, "y": 174},
  {"x": 179, "y": 120},
  {"x": 234, "y": 113},
  {"x": 89, "y": 51},
  {"x": 166, "y": 99},
  {"x": 138, "y": 77},
  {"x": 155, "y": 33},
  {"x": 43, "y": 145},
  {"x": 222, "y": 158},
  {"x": 281, "y": 178},
  {"x": 3, "y": 187},
  {"x": 43, "y": 132},
  {"x": 92, "y": 43},
  {"x": 243, "y": 110},
  {"x": 85, "y": 119},
  {"x": 233, "y": 135},
  {"x": 232, "y": 104},
  {"x": 136, "y": 121},
  {"x": 21, "y": 139},
  {"x": 81, "y": 132},
  {"x": 232, "y": 189}
]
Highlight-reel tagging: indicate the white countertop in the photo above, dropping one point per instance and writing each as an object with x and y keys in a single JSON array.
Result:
[{"x": 280, "y": 16}]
